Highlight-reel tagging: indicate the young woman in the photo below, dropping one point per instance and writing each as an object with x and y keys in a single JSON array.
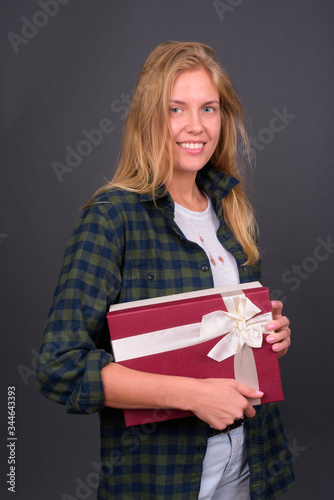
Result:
[{"x": 175, "y": 218}]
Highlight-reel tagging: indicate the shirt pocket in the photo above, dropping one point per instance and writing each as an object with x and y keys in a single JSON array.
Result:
[{"x": 140, "y": 283}]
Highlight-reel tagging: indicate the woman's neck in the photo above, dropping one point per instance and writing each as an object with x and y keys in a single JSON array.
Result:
[{"x": 186, "y": 193}]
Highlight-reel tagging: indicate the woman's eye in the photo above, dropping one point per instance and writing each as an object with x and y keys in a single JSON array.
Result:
[
  {"x": 175, "y": 110},
  {"x": 208, "y": 109}
]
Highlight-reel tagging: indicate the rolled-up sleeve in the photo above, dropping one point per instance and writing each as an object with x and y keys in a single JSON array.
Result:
[{"x": 71, "y": 357}]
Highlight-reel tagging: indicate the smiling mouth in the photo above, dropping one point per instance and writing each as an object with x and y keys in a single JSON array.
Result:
[{"x": 191, "y": 145}]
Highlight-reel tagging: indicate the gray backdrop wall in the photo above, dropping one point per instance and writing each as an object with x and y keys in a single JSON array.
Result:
[{"x": 69, "y": 67}]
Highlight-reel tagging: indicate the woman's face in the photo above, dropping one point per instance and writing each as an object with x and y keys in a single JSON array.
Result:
[{"x": 194, "y": 118}]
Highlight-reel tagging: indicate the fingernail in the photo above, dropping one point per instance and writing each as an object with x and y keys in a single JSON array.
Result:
[
  {"x": 259, "y": 393},
  {"x": 275, "y": 348},
  {"x": 271, "y": 326},
  {"x": 273, "y": 303},
  {"x": 270, "y": 338}
]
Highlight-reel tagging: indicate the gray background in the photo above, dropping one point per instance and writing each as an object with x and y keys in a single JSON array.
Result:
[{"x": 75, "y": 70}]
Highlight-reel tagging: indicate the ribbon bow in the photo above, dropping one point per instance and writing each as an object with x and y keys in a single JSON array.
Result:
[{"x": 238, "y": 323}]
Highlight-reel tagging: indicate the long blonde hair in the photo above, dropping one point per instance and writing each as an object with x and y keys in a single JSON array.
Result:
[{"x": 146, "y": 160}]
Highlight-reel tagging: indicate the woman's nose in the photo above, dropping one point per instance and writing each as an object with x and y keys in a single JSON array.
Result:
[{"x": 194, "y": 124}]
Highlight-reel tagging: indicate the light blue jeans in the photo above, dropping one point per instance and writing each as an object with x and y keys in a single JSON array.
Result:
[{"x": 225, "y": 473}]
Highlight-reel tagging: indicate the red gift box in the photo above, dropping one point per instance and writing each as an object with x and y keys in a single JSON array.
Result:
[{"x": 216, "y": 333}]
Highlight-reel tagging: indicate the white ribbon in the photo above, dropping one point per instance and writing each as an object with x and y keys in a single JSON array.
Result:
[{"x": 238, "y": 323}]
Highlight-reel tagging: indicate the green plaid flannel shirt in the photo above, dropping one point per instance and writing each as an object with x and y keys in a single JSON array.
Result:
[{"x": 124, "y": 248}]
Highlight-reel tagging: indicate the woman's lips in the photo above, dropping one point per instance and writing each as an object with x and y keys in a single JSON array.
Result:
[{"x": 192, "y": 147}]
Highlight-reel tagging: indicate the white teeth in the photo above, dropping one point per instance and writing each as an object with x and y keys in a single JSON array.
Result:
[{"x": 191, "y": 145}]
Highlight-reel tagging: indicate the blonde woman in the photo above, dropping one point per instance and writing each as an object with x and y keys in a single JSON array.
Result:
[{"x": 175, "y": 218}]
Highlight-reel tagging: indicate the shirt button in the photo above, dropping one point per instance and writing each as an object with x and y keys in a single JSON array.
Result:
[
  {"x": 200, "y": 448},
  {"x": 205, "y": 268},
  {"x": 150, "y": 276}
]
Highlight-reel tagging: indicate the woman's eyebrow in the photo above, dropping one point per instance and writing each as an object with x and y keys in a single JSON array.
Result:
[{"x": 176, "y": 101}]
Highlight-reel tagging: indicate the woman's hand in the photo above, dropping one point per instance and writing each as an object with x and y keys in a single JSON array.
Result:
[
  {"x": 280, "y": 336},
  {"x": 218, "y": 401}
]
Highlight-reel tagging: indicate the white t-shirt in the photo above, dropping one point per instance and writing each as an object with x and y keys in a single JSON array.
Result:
[{"x": 201, "y": 227}]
